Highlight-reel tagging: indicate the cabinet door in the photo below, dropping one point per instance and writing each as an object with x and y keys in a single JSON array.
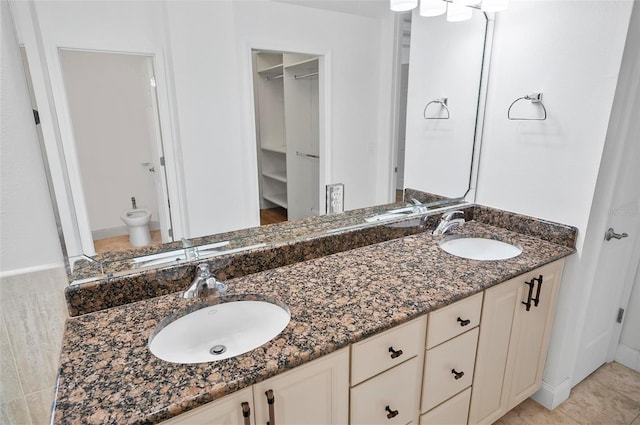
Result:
[
  {"x": 226, "y": 411},
  {"x": 530, "y": 335},
  {"x": 493, "y": 346},
  {"x": 314, "y": 393}
]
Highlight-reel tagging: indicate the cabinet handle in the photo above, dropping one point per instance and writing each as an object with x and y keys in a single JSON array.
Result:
[
  {"x": 536, "y": 300},
  {"x": 271, "y": 400},
  {"x": 395, "y": 354},
  {"x": 463, "y": 322},
  {"x": 246, "y": 412},
  {"x": 391, "y": 413},
  {"x": 528, "y": 302},
  {"x": 457, "y": 375}
]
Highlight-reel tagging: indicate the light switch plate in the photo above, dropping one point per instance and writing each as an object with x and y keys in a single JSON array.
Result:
[{"x": 335, "y": 198}]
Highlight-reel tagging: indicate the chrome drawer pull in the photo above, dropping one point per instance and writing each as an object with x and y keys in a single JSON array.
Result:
[
  {"x": 457, "y": 375},
  {"x": 392, "y": 413},
  {"x": 394, "y": 353}
]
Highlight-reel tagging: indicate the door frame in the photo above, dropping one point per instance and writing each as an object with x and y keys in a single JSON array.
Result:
[{"x": 324, "y": 109}]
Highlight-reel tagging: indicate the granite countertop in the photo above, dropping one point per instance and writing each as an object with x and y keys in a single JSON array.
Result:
[{"x": 108, "y": 375}]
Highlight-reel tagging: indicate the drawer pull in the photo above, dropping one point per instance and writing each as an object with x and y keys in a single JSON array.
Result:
[
  {"x": 457, "y": 374},
  {"x": 246, "y": 412},
  {"x": 391, "y": 413},
  {"x": 463, "y": 322},
  {"x": 395, "y": 354}
]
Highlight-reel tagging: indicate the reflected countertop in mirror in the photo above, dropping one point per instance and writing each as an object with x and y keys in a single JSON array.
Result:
[{"x": 120, "y": 263}]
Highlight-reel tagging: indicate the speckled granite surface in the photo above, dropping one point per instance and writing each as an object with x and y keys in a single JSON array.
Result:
[
  {"x": 302, "y": 245},
  {"x": 107, "y": 374}
]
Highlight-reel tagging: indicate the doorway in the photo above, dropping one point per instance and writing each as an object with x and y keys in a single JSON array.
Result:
[
  {"x": 113, "y": 110},
  {"x": 287, "y": 98}
]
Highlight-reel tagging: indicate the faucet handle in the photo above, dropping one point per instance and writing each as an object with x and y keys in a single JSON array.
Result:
[
  {"x": 448, "y": 216},
  {"x": 203, "y": 270}
]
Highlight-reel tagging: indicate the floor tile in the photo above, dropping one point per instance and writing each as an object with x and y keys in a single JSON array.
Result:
[
  {"x": 620, "y": 378},
  {"x": 39, "y": 405},
  {"x": 10, "y": 388},
  {"x": 14, "y": 413},
  {"x": 591, "y": 402},
  {"x": 531, "y": 413},
  {"x": 637, "y": 421}
]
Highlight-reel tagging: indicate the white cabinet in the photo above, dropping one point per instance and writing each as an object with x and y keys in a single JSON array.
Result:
[
  {"x": 287, "y": 129},
  {"x": 452, "y": 412},
  {"x": 314, "y": 393},
  {"x": 226, "y": 411},
  {"x": 514, "y": 337},
  {"x": 385, "y": 375}
]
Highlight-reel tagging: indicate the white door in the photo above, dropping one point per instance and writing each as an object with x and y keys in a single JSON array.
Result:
[{"x": 617, "y": 199}]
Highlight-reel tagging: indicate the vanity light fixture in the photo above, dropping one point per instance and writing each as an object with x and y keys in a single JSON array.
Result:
[{"x": 456, "y": 10}]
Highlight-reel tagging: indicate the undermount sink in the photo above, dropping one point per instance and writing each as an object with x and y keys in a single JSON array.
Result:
[
  {"x": 219, "y": 331},
  {"x": 480, "y": 248}
]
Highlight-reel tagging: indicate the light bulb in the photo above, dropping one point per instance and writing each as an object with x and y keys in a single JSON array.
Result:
[
  {"x": 494, "y": 5},
  {"x": 402, "y": 5},
  {"x": 457, "y": 12},
  {"x": 433, "y": 7}
]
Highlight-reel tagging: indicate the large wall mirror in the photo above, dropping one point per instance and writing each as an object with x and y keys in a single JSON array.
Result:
[{"x": 157, "y": 106}]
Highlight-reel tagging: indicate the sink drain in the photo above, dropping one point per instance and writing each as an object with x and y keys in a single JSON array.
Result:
[{"x": 216, "y": 350}]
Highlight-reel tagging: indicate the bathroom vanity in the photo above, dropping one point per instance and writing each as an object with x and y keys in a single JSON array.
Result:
[{"x": 385, "y": 333}]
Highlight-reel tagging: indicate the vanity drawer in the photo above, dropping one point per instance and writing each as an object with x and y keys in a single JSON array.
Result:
[
  {"x": 389, "y": 398},
  {"x": 440, "y": 380},
  {"x": 453, "y": 320},
  {"x": 376, "y": 354},
  {"x": 454, "y": 411}
]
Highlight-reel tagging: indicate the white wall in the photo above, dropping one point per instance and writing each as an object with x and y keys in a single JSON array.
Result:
[
  {"x": 28, "y": 236},
  {"x": 571, "y": 51},
  {"x": 357, "y": 60},
  {"x": 439, "y": 151}
]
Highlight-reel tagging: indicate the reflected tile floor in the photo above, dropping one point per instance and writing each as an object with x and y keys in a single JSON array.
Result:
[
  {"x": 609, "y": 396},
  {"x": 121, "y": 243}
]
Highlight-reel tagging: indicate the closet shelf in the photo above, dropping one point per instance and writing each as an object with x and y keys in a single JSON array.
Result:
[
  {"x": 276, "y": 149},
  {"x": 277, "y": 198},
  {"x": 309, "y": 65},
  {"x": 275, "y": 175},
  {"x": 272, "y": 71}
]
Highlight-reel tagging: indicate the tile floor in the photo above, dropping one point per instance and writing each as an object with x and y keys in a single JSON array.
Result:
[{"x": 609, "y": 396}]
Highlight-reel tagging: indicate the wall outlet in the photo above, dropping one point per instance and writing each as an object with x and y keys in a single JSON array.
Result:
[{"x": 335, "y": 198}]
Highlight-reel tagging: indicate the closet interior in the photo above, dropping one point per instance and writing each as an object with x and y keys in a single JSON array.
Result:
[{"x": 286, "y": 93}]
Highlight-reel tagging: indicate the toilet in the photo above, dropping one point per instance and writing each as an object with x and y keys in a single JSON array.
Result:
[{"x": 137, "y": 220}]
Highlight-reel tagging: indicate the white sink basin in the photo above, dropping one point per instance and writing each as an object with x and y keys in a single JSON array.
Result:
[
  {"x": 219, "y": 331},
  {"x": 480, "y": 248}
]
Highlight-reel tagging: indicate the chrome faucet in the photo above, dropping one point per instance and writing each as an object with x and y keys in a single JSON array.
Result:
[
  {"x": 447, "y": 222},
  {"x": 190, "y": 251},
  {"x": 203, "y": 280}
]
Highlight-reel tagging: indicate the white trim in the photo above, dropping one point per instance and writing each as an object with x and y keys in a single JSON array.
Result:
[
  {"x": 628, "y": 356},
  {"x": 33, "y": 269},
  {"x": 550, "y": 396}
]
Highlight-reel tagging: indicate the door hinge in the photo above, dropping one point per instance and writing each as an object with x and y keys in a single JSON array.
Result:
[
  {"x": 153, "y": 82},
  {"x": 162, "y": 161},
  {"x": 36, "y": 116},
  {"x": 620, "y": 315},
  {"x": 171, "y": 233}
]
